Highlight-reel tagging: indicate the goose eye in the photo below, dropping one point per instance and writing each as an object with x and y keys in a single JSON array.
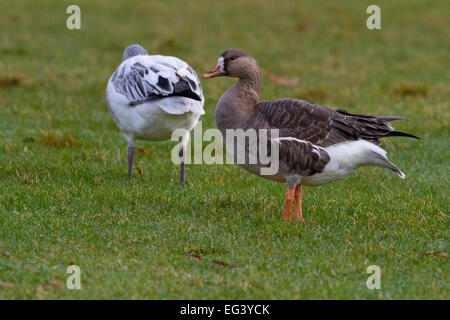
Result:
[{"x": 233, "y": 58}]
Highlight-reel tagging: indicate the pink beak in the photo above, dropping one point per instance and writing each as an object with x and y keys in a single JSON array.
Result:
[{"x": 213, "y": 73}]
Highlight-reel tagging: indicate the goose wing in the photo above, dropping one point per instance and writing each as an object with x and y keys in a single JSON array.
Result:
[
  {"x": 144, "y": 78},
  {"x": 323, "y": 126},
  {"x": 306, "y": 129}
]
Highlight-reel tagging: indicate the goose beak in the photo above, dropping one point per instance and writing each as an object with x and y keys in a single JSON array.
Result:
[{"x": 215, "y": 72}]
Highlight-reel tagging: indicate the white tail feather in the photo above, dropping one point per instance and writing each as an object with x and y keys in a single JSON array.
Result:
[{"x": 384, "y": 162}]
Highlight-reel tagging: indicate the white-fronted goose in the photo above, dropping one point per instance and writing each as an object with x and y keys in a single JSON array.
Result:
[
  {"x": 317, "y": 145},
  {"x": 151, "y": 96}
]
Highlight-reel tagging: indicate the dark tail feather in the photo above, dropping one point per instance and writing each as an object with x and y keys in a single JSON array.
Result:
[
  {"x": 391, "y": 118},
  {"x": 384, "y": 125},
  {"x": 401, "y": 134},
  {"x": 383, "y": 118}
]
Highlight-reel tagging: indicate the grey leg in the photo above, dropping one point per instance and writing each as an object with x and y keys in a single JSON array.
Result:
[
  {"x": 182, "y": 173},
  {"x": 182, "y": 154},
  {"x": 131, "y": 154}
]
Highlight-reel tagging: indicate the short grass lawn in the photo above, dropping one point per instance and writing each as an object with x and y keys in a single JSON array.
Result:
[{"x": 65, "y": 199}]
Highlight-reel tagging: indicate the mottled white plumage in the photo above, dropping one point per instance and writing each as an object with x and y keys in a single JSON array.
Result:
[{"x": 150, "y": 96}]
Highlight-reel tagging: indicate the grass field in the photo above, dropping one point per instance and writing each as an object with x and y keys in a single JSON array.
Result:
[{"x": 64, "y": 194}]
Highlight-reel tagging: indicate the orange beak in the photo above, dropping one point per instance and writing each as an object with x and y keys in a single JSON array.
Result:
[{"x": 215, "y": 72}]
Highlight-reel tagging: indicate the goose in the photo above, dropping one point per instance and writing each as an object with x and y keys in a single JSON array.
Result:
[
  {"x": 316, "y": 145},
  {"x": 150, "y": 96}
]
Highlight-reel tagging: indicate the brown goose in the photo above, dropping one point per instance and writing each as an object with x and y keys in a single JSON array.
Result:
[{"x": 316, "y": 145}]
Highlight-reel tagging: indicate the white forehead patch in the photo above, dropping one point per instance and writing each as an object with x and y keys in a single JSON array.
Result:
[{"x": 220, "y": 63}]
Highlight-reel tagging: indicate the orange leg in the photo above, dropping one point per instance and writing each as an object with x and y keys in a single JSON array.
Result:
[
  {"x": 298, "y": 203},
  {"x": 289, "y": 201}
]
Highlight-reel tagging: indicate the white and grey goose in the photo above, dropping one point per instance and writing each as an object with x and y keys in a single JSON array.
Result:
[
  {"x": 150, "y": 96},
  {"x": 317, "y": 145}
]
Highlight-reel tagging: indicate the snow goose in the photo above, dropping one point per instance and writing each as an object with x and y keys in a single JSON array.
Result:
[
  {"x": 316, "y": 145},
  {"x": 150, "y": 96}
]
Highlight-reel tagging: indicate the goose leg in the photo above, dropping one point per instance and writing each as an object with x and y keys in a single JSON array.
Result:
[
  {"x": 131, "y": 154},
  {"x": 289, "y": 200},
  {"x": 298, "y": 203},
  {"x": 182, "y": 167},
  {"x": 182, "y": 154}
]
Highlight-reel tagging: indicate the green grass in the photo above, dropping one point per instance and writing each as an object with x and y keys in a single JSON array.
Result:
[{"x": 64, "y": 194}]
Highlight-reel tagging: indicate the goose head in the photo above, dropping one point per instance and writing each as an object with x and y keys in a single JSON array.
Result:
[
  {"x": 235, "y": 63},
  {"x": 133, "y": 50}
]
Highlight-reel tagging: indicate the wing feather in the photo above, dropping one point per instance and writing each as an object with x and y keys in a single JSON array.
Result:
[
  {"x": 144, "y": 78},
  {"x": 320, "y": 125},
  {"x": 306, "y": 129}
]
